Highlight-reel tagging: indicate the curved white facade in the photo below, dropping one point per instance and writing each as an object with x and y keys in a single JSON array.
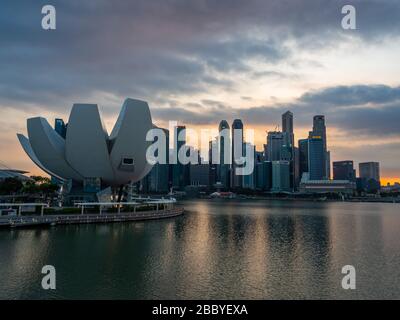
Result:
[
  {"x": 49, "y": 148},
  {"x": 88, "y": 152},
  {"x": 128, "y": 140},
  {"x": 26, "y": 145},
  {"x": 86, "y": 147}
]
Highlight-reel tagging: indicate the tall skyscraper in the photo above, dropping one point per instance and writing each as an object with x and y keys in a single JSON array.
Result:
[
  {"x": 319, "y": 129},
  {"x": 60, "y": 127},
  {"x": 223, "y": 168},
  {"x": 344, "y": 170},
  {"x": 249, "y": 181},
  {"x": 280, "y": 146},
  {"x": 289, "y": 154},
  {"x": 303, "y": 157},
  {"x": 369, "y": 170},
  {"x": 286, "y": 148},
  {"x": 263, "y": 175},
  {"x": 200, "y": 174},
  {"x": 316, "y": 158},
  {"x": 275, "y": 141},
  {"x": 287, "y": 125},
  {"x": 159, "y": 176},
  {"x": 180, "y": 172},
  {"x": 328, "y": 164},
  {"x": 179, "y": 143},
  {"x": 296, "y": 167},
  {"x": 280, "y": 176},
  {"x": 223, "y": 125},
  {"x": 213, "y": 172},
  {"x": 236, "y": 181}
]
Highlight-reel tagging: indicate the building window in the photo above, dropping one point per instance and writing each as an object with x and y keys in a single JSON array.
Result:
[
  {"x": 91, "y": 184},
  {"x": 127, "y": 164},
  {"x": 127, "y": 161}
]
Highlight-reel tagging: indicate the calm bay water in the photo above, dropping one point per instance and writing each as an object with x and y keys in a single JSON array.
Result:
[{"x": 217, "y": 250}]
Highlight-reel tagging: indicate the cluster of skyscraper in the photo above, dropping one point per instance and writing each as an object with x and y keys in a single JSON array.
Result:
[
  {"x": 289, "y": 163},
  {"x": 280, "y": 167}
]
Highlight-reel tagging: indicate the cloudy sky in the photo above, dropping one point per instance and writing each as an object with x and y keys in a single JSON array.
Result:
[{"x": 201, "y": 61}]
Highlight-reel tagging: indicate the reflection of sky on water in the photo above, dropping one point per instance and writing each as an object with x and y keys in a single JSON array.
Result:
[
  {"x": 21, "y": 260},
  {"x": 218, "y": 249}
]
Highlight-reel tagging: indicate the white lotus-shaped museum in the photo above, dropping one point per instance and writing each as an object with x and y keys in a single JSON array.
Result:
[{"x": 88, "y": 151}]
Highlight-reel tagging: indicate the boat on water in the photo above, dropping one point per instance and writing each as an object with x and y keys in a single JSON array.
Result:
[{"x": 223, "y": 195}]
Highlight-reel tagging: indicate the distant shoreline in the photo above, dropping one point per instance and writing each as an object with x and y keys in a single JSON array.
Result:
[{"x": 321, "y": 199}]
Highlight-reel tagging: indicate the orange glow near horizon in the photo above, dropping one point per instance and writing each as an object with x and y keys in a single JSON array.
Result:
[{"x": 391, "y": 180}]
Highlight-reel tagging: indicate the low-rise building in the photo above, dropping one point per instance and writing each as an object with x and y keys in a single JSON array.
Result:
[{"x": 326, "y": 186}]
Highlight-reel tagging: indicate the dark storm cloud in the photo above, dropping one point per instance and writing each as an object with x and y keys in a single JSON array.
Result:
[
  {"x": 362, "y": 110},
  {"x": 142, "y": 49},
  {"x": 150, "y": 49},
  {"x": 231, "y": 55},
  {"x": 373, "y": 122},
  {"x": 352, "y": 95}
]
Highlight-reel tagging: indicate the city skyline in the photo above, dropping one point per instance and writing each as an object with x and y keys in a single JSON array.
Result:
[
  {"x": 277, "y": 132},
  {"x": 279, "y": 151},
  {"x": 203, "y": 63}
]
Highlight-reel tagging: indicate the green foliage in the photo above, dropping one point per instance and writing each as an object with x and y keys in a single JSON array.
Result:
[
  {"x": 10, "y": 186},
  {"x": 41, "y": 180},
  {"x": 36, "y": 185},
  {"x": 29, "y": 187},
  {"x": 47, "y": 188}
]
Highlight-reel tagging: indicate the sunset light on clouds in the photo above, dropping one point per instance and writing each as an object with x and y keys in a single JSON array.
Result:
[{"x": 198, "y": 62}]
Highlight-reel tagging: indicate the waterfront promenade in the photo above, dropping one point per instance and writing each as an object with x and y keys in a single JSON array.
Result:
[{"x": 62, "y": 219}]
